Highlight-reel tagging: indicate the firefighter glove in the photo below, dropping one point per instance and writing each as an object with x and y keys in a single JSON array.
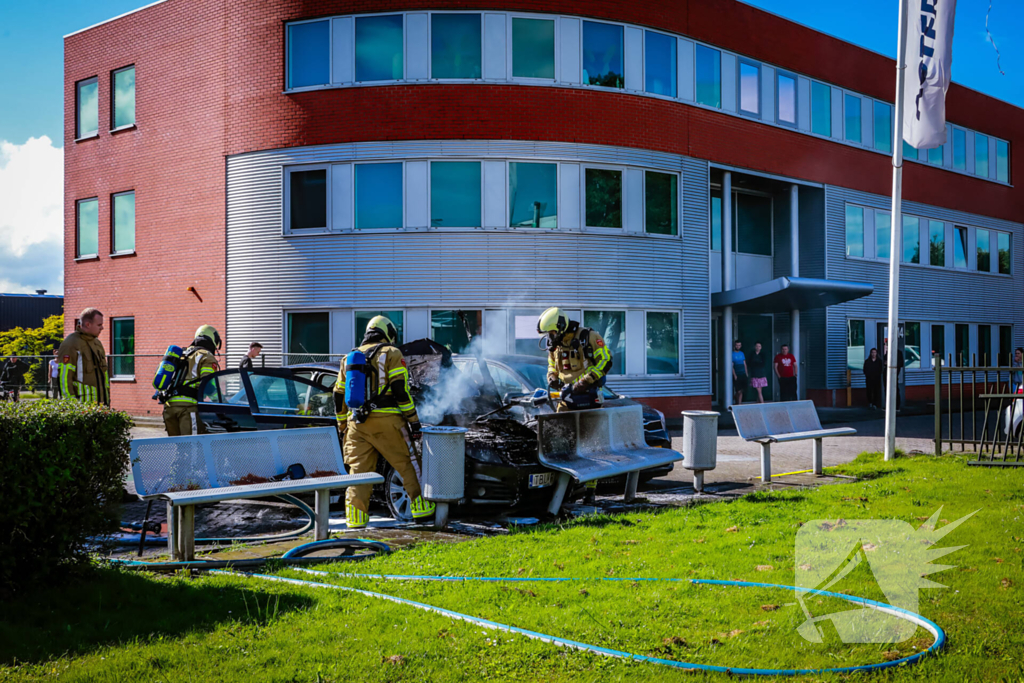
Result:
[{"x": 414, "y": 430}]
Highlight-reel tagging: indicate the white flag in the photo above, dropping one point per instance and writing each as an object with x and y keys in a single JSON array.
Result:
[{"x": 929, "y": 60}]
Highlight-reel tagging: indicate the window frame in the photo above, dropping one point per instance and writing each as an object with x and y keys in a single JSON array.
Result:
[
  {"x": 113, "y": 224},
  {"x": 286, "y": 349},
  {"x": 430, "y": 320},
  {"x": 508, "y": 192},
  {"x": 903, "y": 239},
  {"x": 675, "y": 50},
  {"x": 358, "y": 334},
  {"x": 430, "y": 46},
  {"x": 79, "y": 256},
  {"x": 740, "y": 63},
  {"x": 999, "y": 263},
  {"x": 625, "y": 336},
  {"x": 622, "y": 198},
  {"x": 847, "y": 97},
  {"x": 430, "y": 192},
  {"x": 967, "y": 247},
  {"x": 977, "y": 249},
  {"x": 875, "y": 104},
  {"x": 696, "y": 85},
  {"x": 864, "y": 333},
  {"x": 780, "y": 73},
  {"x": 113, "y": 100},
  {"x": 330, "y": 54},
  {"x": 680, "y": 364},
  {"x": 113, "y": 365},
  {"x": 953, "y": 148},
  {"x": 735, "y": 216},
  {"x": 286, "y": 172},
  {"x": 509, "y": 53},
  {"x": 931, "y": 224},
  {"x": 78, "y": 110},
  {"x": 405, "y": 50},
  {"x": 355, "y": 207},
  {"x": 679, "y": 206},
  {"x": 622, "y": 27},
  {"x": 828, "y": 117},
  {"x": 888, "y": 243},
  {"x": 1008, "y": 164},
  {"x": 977, "y": 149},
  {"x": 846, "y": 218}
]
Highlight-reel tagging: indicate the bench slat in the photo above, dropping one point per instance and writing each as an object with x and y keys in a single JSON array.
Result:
[
  {"x": 803, "y": 436},
  {"x": 269, "y": 489}
]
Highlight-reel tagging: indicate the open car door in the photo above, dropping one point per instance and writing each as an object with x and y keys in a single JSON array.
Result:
[{"x": 264, "y": 398}]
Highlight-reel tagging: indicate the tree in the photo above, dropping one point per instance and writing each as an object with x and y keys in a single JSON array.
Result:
[{"x": 36, "y": 341}]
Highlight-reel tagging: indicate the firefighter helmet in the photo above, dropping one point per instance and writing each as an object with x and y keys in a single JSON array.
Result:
[
  {"x": 384, "y": 325},
  {"x": 210, "y": 333},
  {"x": 552, "y": 320}
]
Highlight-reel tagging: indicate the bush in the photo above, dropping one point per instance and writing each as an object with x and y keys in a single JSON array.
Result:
[{"x": 61, "y": 469}]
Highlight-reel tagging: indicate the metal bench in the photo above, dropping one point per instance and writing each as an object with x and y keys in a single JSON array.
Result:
[
  {"x": 187, "y": 471},
  {"x": 596, "y": 444},
  {"x": 768, "y": 423}
]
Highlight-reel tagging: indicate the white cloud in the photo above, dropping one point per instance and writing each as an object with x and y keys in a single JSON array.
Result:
[{"x": 31, "y": 216}]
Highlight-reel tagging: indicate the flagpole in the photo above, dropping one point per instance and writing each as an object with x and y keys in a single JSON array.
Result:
[{"x": 895, "y": 241}]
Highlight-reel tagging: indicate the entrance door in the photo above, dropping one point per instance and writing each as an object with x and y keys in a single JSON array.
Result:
[
  {"x": 883, "y": 337},
  {"x": 751, "y": 329}
]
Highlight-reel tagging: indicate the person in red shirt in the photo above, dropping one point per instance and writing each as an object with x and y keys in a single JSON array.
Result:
[{"x": 785, "y": 370}]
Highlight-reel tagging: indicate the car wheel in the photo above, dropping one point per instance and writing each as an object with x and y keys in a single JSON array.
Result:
[{"x": 396, "y": 497}]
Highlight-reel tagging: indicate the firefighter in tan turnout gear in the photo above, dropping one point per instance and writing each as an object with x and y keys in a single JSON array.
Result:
[
  {"x": 578, "y": 361},
  {"x": 82, "y": 363},
  {"x": 181, "y": 411},
  {"x": 375, "y": 428}
]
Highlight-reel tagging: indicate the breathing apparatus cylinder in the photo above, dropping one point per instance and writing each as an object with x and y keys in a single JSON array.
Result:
[
  {"x": 169, "y": 366},
  {"x": 355, "y": 384}
]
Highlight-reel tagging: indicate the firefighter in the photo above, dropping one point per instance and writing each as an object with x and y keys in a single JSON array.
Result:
[
  {"x": 376, "y": 428},
  {"x": 578, "y": 361},
  {"x": 181, "y": 411},
  {"x": 82, "y": 363}
]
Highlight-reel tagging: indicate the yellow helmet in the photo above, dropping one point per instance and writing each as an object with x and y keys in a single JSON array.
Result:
[
  {"x": 552, "y": 320},
  {"x": 210, "y": 333},
  {"x": 384, "y": 325}
]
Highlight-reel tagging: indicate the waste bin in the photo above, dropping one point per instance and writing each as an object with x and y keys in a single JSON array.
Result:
[
  {"x": 443, "y": 468},
  {"x": 700, "y": 443}
]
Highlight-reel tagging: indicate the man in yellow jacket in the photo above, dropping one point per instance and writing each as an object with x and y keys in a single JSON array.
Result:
[
  {"x": 181, "y": 412},
  {"x": 578, "y": 360},
  {"x": 377, "y": 428},
  {"x": 82, "y": 363}
]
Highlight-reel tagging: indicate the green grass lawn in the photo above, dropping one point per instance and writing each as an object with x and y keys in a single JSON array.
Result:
[{"x": 130, "y": 627}]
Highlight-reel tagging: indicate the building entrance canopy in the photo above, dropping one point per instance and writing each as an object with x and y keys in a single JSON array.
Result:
[{"x": 784, "y": 294}]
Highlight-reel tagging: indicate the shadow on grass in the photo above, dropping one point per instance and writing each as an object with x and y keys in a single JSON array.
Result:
[
  {"x": 872, "y": 466},
  {"x": 114, "y": 607},
  {"x": 773, "y": 497}
]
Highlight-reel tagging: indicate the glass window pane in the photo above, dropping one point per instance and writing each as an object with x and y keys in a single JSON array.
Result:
[
  {"x": 983, "y": 263},
  {"x": 455, "y": 46},
  {"x": 855, "y": 344},
  {"x": 378, "y": 196},
  {"x": 709, "y": 76},
  {"x": 88, "y": 108},
  {"x": 981, "y": 155},
  {"x": 533, "y": 195},
  {"x": 936, "y": 243},
  {"x": 821, "y": 109},
  {"x": 533, "y": 48},
  {"x": 750, "y": 88},
  {"x": 1005, "y": 345},
  {"x": 935, "y": 155},
  {"x": 959, "y": 247},
  {"x": 88, "y": 227},
  {"x": 611, "y": 325},
  {"x": 908, "y": 151},
  {"x": 308, "y": 199},
  {"x": 852, "y": 114},
  {"x": 959, "y": 149},
  {"x": 787, "y": 99},
  {"x": 309, "y": 54},
  {"x": 985, "y": 345},
  {"x": 309, "y": 337},
  {"x": 661, "y": 201},
  {"x": 379, "y": 48},
  {"x": 124, "y": 97},
  {"x": 602, "y": 55},
  {"x": 854, "y": 230},
  {"x": 660, "y": 64},
  {"x": 912, "y": 345},
  {"x": 123, "y": 339},
  {"x": 124, "y": 222},
  {"x": 938, "y": 343},
  {"x": 963, "y": 345},
  {"x": 662, "y": 343},
  {"x": 455, "y": 194},
  {"x": 753, "y": 227},
  {"x": 716, "y": 220},
  {"x": 446, "y": 328},
  {"x": 1003, "y": 242},
  {"x": 525, "y": 339},
  {"x": 1002, "y": 161},
  {"x": 363, "y": 318},
  {"x": 883, "y": 224},
  {"x": 883, "y": 127},
  {"x": 604, "y": 198},
  {"x": 911, "y": 239}
]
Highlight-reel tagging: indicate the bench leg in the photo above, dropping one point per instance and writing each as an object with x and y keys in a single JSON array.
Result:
[
  {"x": 187, "y": 533},
  {"x": 322, "y": 525},
  {"x": 766, "y": 462},
  {"x": 172, "y": 532},
  {"x": 560, "y": 488},
  {"x": 632, "y": 479},
  {"x": 441, "y": 516},
  {"x": 698, "y": 481},
  {"x": 816, "y": 456}
]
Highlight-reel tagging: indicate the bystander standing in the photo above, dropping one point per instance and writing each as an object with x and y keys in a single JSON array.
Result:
[
  {"x": 12, "y": 374},
  {"x": 873, "y": 371},
  {"x": 55, "y": 375},
  {"x": 758, "y": 371},
  {"x": 254, "y": 351},
  {"x": 739, "y": 373},
  {"x": 785, "y": 370}
]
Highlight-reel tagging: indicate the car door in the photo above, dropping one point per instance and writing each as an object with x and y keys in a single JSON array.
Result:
[{"x": 264, "y": 398}]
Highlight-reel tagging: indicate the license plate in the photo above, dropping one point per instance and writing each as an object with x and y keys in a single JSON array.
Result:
[{"x": 539, "y": 481}]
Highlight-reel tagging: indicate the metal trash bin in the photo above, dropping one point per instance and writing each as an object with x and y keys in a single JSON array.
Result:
[
  {"x": 443, "y": 468},
  {"x": 700, "y": 443}
]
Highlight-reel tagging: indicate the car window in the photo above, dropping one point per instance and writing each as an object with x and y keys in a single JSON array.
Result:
[
  {"x": 504, "y": 380},
  {"x": 275, "y": 395}
]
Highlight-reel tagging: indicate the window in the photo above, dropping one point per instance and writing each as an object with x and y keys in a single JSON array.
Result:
[
  {"x": 855, "y": 344},
  {"x": 936, "y": 243},
  {"x": 1002, "y": 161},
  {"x": 378, "y": 196},
  {"x": 455, "y": 47},
  {"x": 661, "y": 203},
  {"x": 307, "y": 198},
  {"x": 379, "y": 48},
  {"x": 716, "y": 219},
  {"x": 708, "y": 76},
  {"x": 662, "y": 343},
  {"x": 660, "y": 64},
  {"x": 123, "y": 91},
  {"x": 959, "y": 247},
  {"x": 533, "y": 48},
  {"x": 787, "y": 99},
  {"x": 959, "y": 149},
  {"x": 603, "y": 198},
  {"x": 1003, "y": 244},
  {"x": 446, "y": 328},
  {"x": 981, "y": 155},
  {"x": 602, "y": 55},
  {"x": 985, "y": 345},
  {"x": 87, "y": 114},
  {"x": 753, "y": 224},
  {"x": 938, "y": 343},
  {"x": 122, "y": 342},
  {"x": 908, "y": 151},
  {"x": 883, "y": 127},
  {"x": 911, "y": 345},
  {"x": 611, "y": 325},
  {"x": 455, "y": 194},
  {"x": 854, "y": 230},
  {"x": 533, "y": 195},
  {"x": 363, "y": 319},
  {"x": 883, "y": 226},
  {"x": 911, "y": 239},
  {"x": 88, "y": 228},
  {"x": 124, "y": 223},
  {"x": 935, "y": 155},
  {"x": 983, "y": 263},
  {"x": 821, "y": 109},
  {"x": 309, "y": 54},
  {"x": 750, "y": 88},
  {"x": 963, "y": 345},
  {"x": 852, "y": 113},
  {"x": 309, "y": 337},
  {"x": 1005, "y": 345},
  {"x": 526, "y": 341}
]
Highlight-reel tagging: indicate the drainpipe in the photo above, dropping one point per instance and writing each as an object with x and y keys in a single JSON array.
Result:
[
  {"x": 794, "y": 270},
  {"x": 728, "y": 282}
]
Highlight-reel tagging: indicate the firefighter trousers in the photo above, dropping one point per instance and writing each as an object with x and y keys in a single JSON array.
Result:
[
  {"x": 182, "y": 419},
  {"x": 380, "y": 435}
]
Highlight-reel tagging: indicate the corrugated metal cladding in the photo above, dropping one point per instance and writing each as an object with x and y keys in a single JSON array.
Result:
[
  {"x": 28, "y": 310},
  {"x": 269, "y": 274},
  {"x": 927, "y": 294}
]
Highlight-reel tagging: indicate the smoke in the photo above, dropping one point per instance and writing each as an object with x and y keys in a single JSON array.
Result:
[{"x": 457, "y": 391}]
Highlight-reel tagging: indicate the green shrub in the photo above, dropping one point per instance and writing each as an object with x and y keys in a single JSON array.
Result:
[{"x": 61, "y": 470}]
